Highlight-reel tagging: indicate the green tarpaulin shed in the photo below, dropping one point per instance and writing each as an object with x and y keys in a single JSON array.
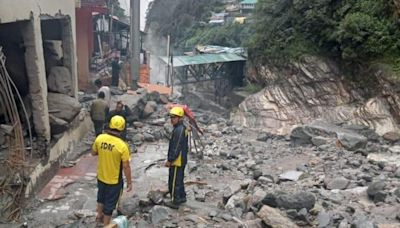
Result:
[{"x": 186, "y": 60}]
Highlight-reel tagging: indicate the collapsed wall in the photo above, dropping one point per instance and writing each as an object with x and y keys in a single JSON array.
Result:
[{"x": 37, "y": 39}]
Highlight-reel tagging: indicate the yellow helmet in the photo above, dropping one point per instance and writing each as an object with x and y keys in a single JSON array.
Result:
[
  {"x": 177, "y": 111},
  {"x": 117, "y": 123}
]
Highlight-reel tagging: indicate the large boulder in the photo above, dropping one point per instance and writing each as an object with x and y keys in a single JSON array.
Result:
[
  {"x": 336, "y": 183},
  {"x": 60, "y": 80},
  {"x": 159, "y": 214},
  {"x": 52, "y": 50},
  {"x": 273, "y": 218},
  {"x": 296, "y": 200},
  {"x": 231, "y": 189},
  {"x": 163, "y": 99},
  {"x": 135, "y": 103},
  {"x": 63, "y": 106},
  {"x": 129, "y": 206},
  {"x": 305, "y": 134},
  {"x": 351, "y": 140},
  {"x": 150, "y": 107},
  {"x": 57, "y": 125},
  {"x": 300, "y": 136},
  {"x": 154, "y": 96},
  {"x": 376, "y": 190},
  {"x": 392, "y": 136}
]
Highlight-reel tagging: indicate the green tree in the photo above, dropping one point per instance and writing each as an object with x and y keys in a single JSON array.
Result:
[
  {"x": 348, "y": 29},
  {"x": 229, "y": 35},
  {"x": 180, "y": 19},
  {"x": 117, "y": 10}
]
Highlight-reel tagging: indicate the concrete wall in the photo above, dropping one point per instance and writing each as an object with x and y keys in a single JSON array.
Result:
[
  {"x": 36, "y": 71},
  {"x": 21, "y": 10},
  {"x": 18, "y": 10},
  {"x": 33, "y": 11},
  {"x": 81, "y": 125},
  {"x": 84, "y": 32}
]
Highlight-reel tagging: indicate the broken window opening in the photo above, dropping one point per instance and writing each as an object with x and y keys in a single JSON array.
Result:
[
  {"x": 13, "y": 165},
  {"x": 13, "y": 50},
  {"x": 58, "y": 73},
  {"x": 58, "y": 51}
]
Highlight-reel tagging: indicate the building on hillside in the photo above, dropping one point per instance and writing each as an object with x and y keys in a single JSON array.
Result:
[
  {"x": 218, "y": 18},
  {"x": 232, "y": 7},
  {"x": 247, "y": 6},
  {"x": 240, "y": 20}
]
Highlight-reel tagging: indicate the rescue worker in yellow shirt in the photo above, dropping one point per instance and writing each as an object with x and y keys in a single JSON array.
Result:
[
  {"x": 113, "y": 159},
  {"x": 177, "y": 158}
]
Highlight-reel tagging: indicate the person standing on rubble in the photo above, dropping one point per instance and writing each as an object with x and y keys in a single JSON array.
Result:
[
  {"x": 98, "y": 113},
  {"x": 104, "y": 89},
  {"x": 113, "y": 158},
  {"x": 177, "y": 158},
  {"x": 115, "y": 69}
]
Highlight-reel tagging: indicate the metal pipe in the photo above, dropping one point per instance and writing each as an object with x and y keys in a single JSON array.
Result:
[{"x": 168, "y": 61}]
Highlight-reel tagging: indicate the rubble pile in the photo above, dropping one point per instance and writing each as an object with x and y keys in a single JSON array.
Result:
[{"x": 321, "y": 175}]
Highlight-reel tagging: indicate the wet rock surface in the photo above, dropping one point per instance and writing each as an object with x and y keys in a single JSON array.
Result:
[
  {"x": 311, "y": 88},
  {"x": 239, "y": 177}
]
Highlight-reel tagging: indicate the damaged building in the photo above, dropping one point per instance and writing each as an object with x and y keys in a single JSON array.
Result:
[{"x": 40, "y": 116}]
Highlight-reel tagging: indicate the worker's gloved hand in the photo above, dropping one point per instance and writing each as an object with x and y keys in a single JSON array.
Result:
[{"x": 167, "y": 164}]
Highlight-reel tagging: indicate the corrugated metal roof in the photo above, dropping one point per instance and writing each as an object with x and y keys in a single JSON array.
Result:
[
  {"x": 213, "y": 49},
  {"x": 248, "y": 2},
  {"x": 186, "y": 60}
]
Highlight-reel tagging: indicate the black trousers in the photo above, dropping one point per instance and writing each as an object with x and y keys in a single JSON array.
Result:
[
  {"x": 115, "y": 79},
  {"x": 108, "y": 195},
  {"x": 98, "y": 127},
  {"x": 175, "y": 183}
]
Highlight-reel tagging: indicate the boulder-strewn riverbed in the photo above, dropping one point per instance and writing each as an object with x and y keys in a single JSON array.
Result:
[{"x": 318, "y": 176}]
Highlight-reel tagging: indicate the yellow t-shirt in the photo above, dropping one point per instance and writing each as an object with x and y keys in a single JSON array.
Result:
[{"x": 112, "y": 151}]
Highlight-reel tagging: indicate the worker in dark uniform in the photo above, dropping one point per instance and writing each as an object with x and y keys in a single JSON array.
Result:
[
  {"x": 177, "y": 158},
  {"x": 115, "y": 69}
]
